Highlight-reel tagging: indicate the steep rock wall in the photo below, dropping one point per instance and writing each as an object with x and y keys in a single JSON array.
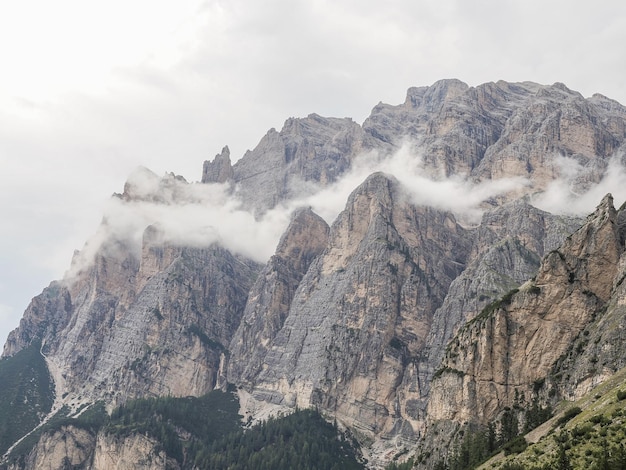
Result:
[
  {"x": 514, "y": 345},
  {"x": 362, "y": 312}
]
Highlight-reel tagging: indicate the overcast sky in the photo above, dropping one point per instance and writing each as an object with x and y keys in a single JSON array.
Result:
[{"x": 89, "y": 90}]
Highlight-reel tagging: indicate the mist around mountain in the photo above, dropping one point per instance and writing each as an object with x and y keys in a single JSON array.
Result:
[{"x": 421, "y": 290}]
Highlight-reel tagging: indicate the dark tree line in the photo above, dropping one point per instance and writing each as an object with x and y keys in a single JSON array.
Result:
[
  {"x": 506, "y": 434},
  {"x": 302, "y": 440},
  {"x": 206, "y": 433},
  {"x": 26, "y": 394}
]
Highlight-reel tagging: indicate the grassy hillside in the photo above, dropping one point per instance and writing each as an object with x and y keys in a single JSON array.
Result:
[{"x": 588, "y": 434}]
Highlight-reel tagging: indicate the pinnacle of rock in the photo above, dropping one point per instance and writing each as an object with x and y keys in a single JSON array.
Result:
[{"x": 219, "y": 170}]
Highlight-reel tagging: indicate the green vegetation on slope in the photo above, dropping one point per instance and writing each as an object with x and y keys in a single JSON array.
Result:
[
  {"x": 206, "y": 433},
  {"x": 26, "y": 394},
  {"x": 201, "y": 420},
  {"x": 477, "y": 444},
  {"x": 590, "y": 434},
  {"x": 302, "y": 440}
]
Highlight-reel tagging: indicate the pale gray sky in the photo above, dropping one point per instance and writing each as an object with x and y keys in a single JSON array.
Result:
[{"x": 90, "y": 90}]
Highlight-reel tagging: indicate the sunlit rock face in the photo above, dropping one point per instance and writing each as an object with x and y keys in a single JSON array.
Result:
[
  {"x": 362, "y": 312},
  {"x": 374, "y": 315}
]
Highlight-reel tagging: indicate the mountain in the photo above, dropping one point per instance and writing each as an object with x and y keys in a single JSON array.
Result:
[{"x": 430, "y": 276}]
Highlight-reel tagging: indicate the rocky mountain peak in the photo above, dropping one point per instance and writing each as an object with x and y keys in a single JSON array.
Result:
[
  {"x": 367, "y": 216},
  {"x": 433, "y": 97},
  {"x": 145, "y": 185},
  {"x": 361, "y": 313},
  {"x": 515, "y": 343},
  {"x": 304, "y": 238},
  {"x": 605, "y": 209},
  {"x": 562, "y": 87},
  {"x": 396, "y": 320},
  {"x": 591, "y": 255},
  {"x": 444, "y": 91},
  {"x": 273, "y": 292},
  {"x": 313, "y": 150},
  {"x": 137, "y": 182},
  {"x": 378, "y": 192},
  {"x": 219, "y": 170}
]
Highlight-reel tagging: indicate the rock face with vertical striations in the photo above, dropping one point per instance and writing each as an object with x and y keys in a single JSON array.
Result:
[
  {"x": 306, "y": 152},
  {"x": 133, "y": 324},
  {"x": 362, "y": 312},
  {"x": 517, "y": 345},
  {"x": 219, "y": 170},
  {"x": 405, "y": 321},
  {"x": 491, "y": 131},
  {"x": 507, "y": 249},
  {"x": 272, "y": 294},
  {"x": 69, "y": 447}
]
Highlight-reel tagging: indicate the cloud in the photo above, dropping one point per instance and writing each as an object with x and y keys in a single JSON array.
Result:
[
  {"x": 456, "y": 193},
  {"x": 579, "y": 189},
  {"x": 194, "y": 215},
  {"x": 199, "y": 215}
]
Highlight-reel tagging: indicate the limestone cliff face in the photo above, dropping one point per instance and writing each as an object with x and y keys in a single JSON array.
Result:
[
  {"x": 555, "y": 121},
  {"x": 368, "y": 319},
  {"x": 507, "y": 249},
  {"x": 504, "y": 129},
  {"x": 487, "y": 132},
  {"x": 131, "y": 324},
  {"x": 367, "y": 327},
  {"x": 515, "y": 345},
  {"x": 69, "y": 447},
  {"x": 311, "y": 150},
  {"x": 190, "y": 313},
  {"x": 170, "y": 339},
  {"x": 76, "y": 448},
  {"x": 271, "y": 296},
  {"x": 49, "y": 310},
  {"x": 136, "y": 451},
  {"x": 442, "y": 119},
  {"x": 597, "y": 352},
  {"x": 219, "y": 170},
  {"x": 363, "y": 310}
]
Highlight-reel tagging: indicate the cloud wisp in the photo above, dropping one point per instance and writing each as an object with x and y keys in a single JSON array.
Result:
[
  {"x": 456, "y": 193},
  {"x": 199, "y": 215},
  {"x": 575, "y": 192},
  {"x": 193, "y": 215}
]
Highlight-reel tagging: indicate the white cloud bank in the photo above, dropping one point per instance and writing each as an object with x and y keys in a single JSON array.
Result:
[
  {"x": 199, "y": 215},
  {"x": 194, "y": 215},
  {"x": 456, "y": 193}
]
